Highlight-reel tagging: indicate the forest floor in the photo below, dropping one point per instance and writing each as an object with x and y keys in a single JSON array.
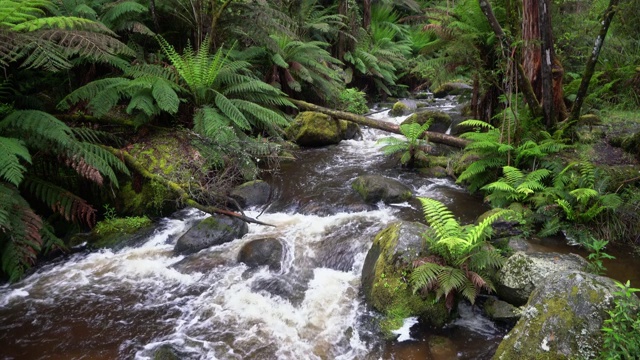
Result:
[{"x": 615, "y": 125}]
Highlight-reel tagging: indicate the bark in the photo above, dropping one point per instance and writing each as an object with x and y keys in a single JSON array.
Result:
[
  {"x": 184, "y": 196},
  {"x": 593, "y": 59},
  {"x": 547, "y": 56},
  {"x": 154, "y": 16},
  {"x": 366, "y": 14},
  {"x": 381, "y": 125},
  {"x": 523, "y": 83}
]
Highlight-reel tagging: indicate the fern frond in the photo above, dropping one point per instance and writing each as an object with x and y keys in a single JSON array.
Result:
[
  {"x": 476, "y": 124},
  {"x": 11, "y": 151},
  {"x": 425, "y": 276},
  {"x": 62, "y": 201}
]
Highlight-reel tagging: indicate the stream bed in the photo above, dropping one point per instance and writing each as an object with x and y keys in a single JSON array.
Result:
[{"x": 125, "y": 304}]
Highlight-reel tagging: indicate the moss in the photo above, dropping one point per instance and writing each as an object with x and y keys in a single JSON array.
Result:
[
  {"x": 153, "y": 198},
  {"x": 314, "y": 129},
  {"x": 110, "y": 233},
  {"x": 399, "y": 109},
  {"x": 424, "y": 116},
  {"x": 392, "y": 294}
]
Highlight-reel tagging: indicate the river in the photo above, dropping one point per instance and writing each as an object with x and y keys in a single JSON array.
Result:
[{"x": 125, "y": 304}]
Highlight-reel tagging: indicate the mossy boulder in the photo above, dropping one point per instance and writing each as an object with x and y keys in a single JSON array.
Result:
[
  {"x": 523, "y": 272},
  {"x": 166, "y": 352},
  {"x": 385, "y": 277},
  {"x": 252, "y": 193},
  {"x": 402, "y": 107},
  {"x": 262, "y": 252},
  {"x": 452, "y": 89},
  {"x": 562, "y": 319},
  {"x": 313, "y": 129},
  {"x": 116, "y": 233},
  {"x": 171, "y": 154},
  {"x": 214, "y": 230},
  {"x": 375, "y": 188},
  {"x": 440, "y": 121}
]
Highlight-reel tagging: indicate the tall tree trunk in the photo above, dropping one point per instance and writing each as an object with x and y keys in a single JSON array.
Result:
[
  {"x": 523, "y": 82},
  {"x": 366, "y": 14},
  {"x": 547, "y": 57},
  {"x": 593, "y": 59}
]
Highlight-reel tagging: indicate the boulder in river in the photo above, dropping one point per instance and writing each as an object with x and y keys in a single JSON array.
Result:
[
  {"x": 252, "y": 193},
  {"x": 262, "y": 252},
  {"x": 524, "y": 272},
  {"x": 402, "y": 107},
  {"x": 374, "y": 188},
  {"x": 214, "y": 230},
  {"x": 440, "y": 121},
  {"x": 315, "y": 129},
  {"x": 385, "y": 274},
  {"x": 562, "y": 319},
  {"x": 452, "y": 89},
  {"x": 500, "y": 311}
]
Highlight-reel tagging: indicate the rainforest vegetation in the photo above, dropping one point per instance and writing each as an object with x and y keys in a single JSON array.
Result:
[{"x": 83, "y": 81}]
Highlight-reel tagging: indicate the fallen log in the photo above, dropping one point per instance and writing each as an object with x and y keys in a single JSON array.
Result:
[
  {"x": 184, "y": 196},
  {"x": 381, "y": 125}
]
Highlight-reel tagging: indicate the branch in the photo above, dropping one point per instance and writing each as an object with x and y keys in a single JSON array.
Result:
[
  {"x": 380, "y": 125},
  {"x": 184, "y": 196}
]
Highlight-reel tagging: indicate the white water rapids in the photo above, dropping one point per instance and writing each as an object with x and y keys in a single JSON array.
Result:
[{"x": 125, "y": 304}]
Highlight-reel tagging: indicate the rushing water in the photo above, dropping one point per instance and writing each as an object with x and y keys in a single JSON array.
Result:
[{"x": 124, "y": 304}]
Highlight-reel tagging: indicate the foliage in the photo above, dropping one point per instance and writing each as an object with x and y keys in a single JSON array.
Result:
[
  {"x": 515, "y": 186},
  {"x": 127, "y": 224},
  {"x": 622, "y": 329},
  {"x": 412, "y": 148},
  {"x": 353, "y": 101},
  {"x": 597, "y": 255},
  {"x": 462, "y": 259}
]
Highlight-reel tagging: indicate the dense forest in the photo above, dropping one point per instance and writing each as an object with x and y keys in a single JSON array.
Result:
[{"x": 554, "y": 100}]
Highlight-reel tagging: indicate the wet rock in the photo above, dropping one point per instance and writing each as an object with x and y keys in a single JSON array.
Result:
[
  {"x": 166, "y": 352},
  {"x": 442, "y": 348},
  {"x": 314, "y": 129},
  {"x": 506, "y": 225},
  {"x": 440, "y": 121},
  {"x": 262, "y": 252},
  {"x": 522, "y": 273},
  {"x": 384, "y": 275},
  {"x": 452, "y": 89},
  {"x": 518, "y": 244},
  {"x": 252, "y": 193},
  {"x": 374, "y": 188},
  {"x": 214, "y": 230},
  {"x": 402, "y": 107},
  {"x": 434, "y": 172},
  {"x": 350, "y": 130},
  {"x": 200, "y": 263},
  {"x": 501, "y": 311},
  {"x": 562, "y": 319}
]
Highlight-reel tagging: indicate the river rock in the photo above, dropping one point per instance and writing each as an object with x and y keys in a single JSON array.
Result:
[
  {"x": 403, "y": 107},
  {"x": 252, "y": 193},
  {"x": 440, "y": 121},
  {"x": 262, "y": 252},
  {"x": 562, "y": 319},
  {"x": 452, "y": 89},
  {"x": 385, "y": 272},
  {"x": 500, "y": 311},
  {"x": 506, "y": 225},
  {"x": 214, "y": 230},
  {"x": 314, "y": 129},
  {"x": 166, "y": 352},
  {"x": 524, "y": 272},
  {"x": 374, "y": 188}
]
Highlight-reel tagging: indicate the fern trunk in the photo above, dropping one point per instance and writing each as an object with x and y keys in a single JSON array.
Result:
[{"x": 380, "y": 125}]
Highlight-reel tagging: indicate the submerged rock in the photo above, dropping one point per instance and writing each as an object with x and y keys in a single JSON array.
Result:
[
  {"x": 252, "y": 193},
  {"x": 524, "y": 272},
  {"x": 385, "y": 273},
  {"x": 214, "y": 230},
  {"x": 262, "y": 252},
  {"x": 562, "y": 319},
  {"x": 374, "y": 188}
]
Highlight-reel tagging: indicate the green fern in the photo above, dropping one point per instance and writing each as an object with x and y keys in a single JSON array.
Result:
[
  {"x": 11, "y": 151},
  {"x": 461, "y": 259}
]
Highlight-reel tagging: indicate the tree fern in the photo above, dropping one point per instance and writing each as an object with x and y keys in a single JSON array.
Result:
[{"x": 11, "y": 151}]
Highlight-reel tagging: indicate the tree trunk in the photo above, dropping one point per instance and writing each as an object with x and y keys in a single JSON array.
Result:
[
  {"x": 381, "y": 125},
  {"x": 366, "y": 14},
  {"x": 593, "y": 59},
  {"x": 547, "y": 55},
  {"x": 523, "y": 83}
]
